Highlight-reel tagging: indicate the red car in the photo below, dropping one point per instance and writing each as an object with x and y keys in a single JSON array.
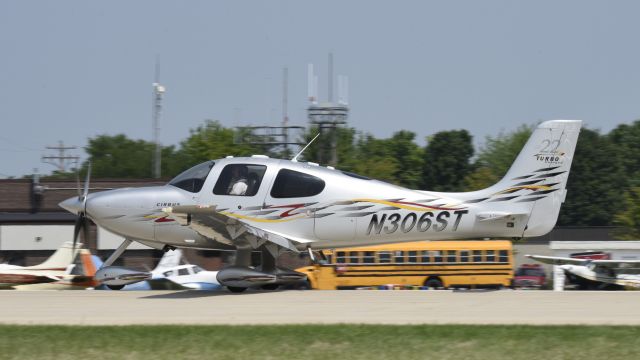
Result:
[{"x": 530, "y": 276}]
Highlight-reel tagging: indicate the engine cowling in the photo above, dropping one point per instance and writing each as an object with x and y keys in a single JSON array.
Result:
[
  {"x": 117, "y": 275},
  {"x": 244, "y": 277}
]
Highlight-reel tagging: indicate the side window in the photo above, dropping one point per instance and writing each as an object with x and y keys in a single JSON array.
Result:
[
  {"x": 192, "y": 180},
  {"x": 239, "y": 180},
  {"x": 354, "y": 257},
  {"x": 369, "y": 257},
  {"x": 292, "y": 184},
  {"x": 425, "y": 256},
  {"x": 504, "y": 256},
  {"x": 399, "y": 257},
  {"x": 491, "y": 255},
  {"x": 464, "y": 255},
  {"x": 412, "y": 257},
  {"x": 437, "y": 256},
  {"x": 340, "y": 258},
  {"x": 384, "y": 257},
  {"x": 477, "y": 256},
  {"x": 451, "y": 256}
]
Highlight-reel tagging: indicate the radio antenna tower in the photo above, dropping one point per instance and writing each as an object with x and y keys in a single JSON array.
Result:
[
  {"x": 158, "y": 92},
  {"x": 327, "y": 116}
]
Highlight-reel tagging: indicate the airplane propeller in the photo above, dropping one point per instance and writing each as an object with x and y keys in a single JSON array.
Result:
[{"x": 82, "y": 223}]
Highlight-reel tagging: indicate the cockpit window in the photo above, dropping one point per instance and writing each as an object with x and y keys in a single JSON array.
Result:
[
  {"x": 193, "y": 179},
  {"x": 240, "y": 180},
  {"x": 291, "y": 184}
]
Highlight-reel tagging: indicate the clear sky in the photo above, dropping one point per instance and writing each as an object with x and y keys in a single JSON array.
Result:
[{"x": 70, "y": 70}]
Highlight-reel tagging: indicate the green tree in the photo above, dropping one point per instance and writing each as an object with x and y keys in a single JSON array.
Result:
[
  {"x": 626, "y": 139},
  {"x": 446, "y": 160},
  {"x": 211, "y": 141},
  {"x": 375, "y": 159},
  {"x": 408, "y": 156},
  {"x": 629, "y": 218},
  {"x": 117, "y": 156},
  {"x": 596, "y": 182},
  {"x": 496, "y": 157}
]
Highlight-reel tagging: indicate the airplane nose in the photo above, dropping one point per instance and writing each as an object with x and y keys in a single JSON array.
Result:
[{"x": 72, "y": 205}]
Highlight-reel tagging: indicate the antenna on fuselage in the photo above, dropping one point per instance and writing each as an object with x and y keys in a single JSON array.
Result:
[{"x": 295, "y": 158}]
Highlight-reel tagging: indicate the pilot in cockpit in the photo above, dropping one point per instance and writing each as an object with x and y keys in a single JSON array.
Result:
[{"x": 239, "y": 181}]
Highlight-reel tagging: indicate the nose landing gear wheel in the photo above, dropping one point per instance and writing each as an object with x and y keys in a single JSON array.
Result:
[{"x": 236, "y": 289}]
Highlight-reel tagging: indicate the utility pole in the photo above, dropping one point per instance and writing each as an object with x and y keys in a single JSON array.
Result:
[
  {"x": 60, "y": 160},
  {"x": 158, "y": 92}
]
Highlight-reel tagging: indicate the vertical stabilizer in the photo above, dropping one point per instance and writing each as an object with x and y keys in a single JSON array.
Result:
[
  {"x": 537, "y": 180},
  {"x": 170, "y": 259},
  {"x": 60, "y": 259}
]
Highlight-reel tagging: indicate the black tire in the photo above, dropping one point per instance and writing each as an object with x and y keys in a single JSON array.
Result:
[
  {"x": 236, "y": 289},
  {"x": 270, "y": 287},
  {"x": 434, "y": 283},
  {"x": 115, "y": 287},
  {"x": 306, "y": 285}
]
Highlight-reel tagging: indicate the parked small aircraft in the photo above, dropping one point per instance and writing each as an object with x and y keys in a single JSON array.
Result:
[
  {"x": 169, "y": 274},
  {"x": 618, "y": 272},
  {"x": 270, "y": 205},
  {"x": 68, "y": 268}
]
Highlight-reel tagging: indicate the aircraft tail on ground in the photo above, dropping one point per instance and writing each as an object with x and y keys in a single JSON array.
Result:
[
  {"x": 534, "y": 188},
  {"x": 170, "y": 259},
  {"x": 60, "y": 259}
]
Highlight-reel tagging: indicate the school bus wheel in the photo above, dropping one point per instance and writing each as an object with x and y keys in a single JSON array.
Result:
[{"x": 433, "y": 282}]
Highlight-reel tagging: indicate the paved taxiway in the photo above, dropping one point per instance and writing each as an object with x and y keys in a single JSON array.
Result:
[{"x": 324, "y": 307}]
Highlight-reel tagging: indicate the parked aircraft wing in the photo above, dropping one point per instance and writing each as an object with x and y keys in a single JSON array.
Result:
[
  {"x": 625, "y": 266},
  {"x": 622, "y": 266},
  {"x": 209, "y": 222},
  {"x": 557, "y": 260}
]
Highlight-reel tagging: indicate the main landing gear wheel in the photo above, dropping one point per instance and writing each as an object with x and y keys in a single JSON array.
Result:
[
  {"x": 236, "y": 289},
  {"x": 270, "y": 286},
  {"x": 115, "y": 287}
]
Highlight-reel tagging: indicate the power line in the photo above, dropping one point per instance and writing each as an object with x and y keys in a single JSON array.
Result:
[{"x": 62, "y": 159}]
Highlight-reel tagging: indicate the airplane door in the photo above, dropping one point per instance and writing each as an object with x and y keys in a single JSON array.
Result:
[{"x": 300, "y": 195}]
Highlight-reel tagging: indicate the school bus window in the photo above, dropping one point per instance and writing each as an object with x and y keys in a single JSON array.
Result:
[
  {"x": 399, "y": 256},
  {"x": 477, "y": 255},
  {"x": 329, "y": 259},
  {"x": 464, "y": 255},
  {"x": 424, "y": 256},
  {"x": 437, "y": 256},
  {"x": 354, "y": 257},
  {"x": 504, "y": 257},
  {"x": 491, "y": 257},
  {"x": 412, "y": 257},
  {"x": 369, "y": 257},
  {"x": 384, "y": 257},
  {"x": 340, "y": 258},
  {"x": 451, "y": 256}
]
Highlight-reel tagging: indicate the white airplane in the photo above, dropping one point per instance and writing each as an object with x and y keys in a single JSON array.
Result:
[
  {"x": 270, "y": 205},
  {"x": 618, "y": 272},
  {"x": 169, "y": 274},
  {"x": 67, "y": 268}
]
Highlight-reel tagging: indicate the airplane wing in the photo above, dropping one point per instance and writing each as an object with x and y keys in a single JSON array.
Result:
[
  {"x": 626, "y": 266},
  {"x": 623, "y": 266},
  {"x": 209, "y": 222},
  {"x": 557, "y": 260}
]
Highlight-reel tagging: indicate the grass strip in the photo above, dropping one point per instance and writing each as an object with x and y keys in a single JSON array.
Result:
[{"x": 320, "y": 342}]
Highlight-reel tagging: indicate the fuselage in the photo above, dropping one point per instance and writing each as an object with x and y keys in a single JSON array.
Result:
[{"x": 312, "y": 205}]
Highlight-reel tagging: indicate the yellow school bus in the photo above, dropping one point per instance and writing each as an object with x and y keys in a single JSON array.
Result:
[{"x": 435, "y": 264}]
